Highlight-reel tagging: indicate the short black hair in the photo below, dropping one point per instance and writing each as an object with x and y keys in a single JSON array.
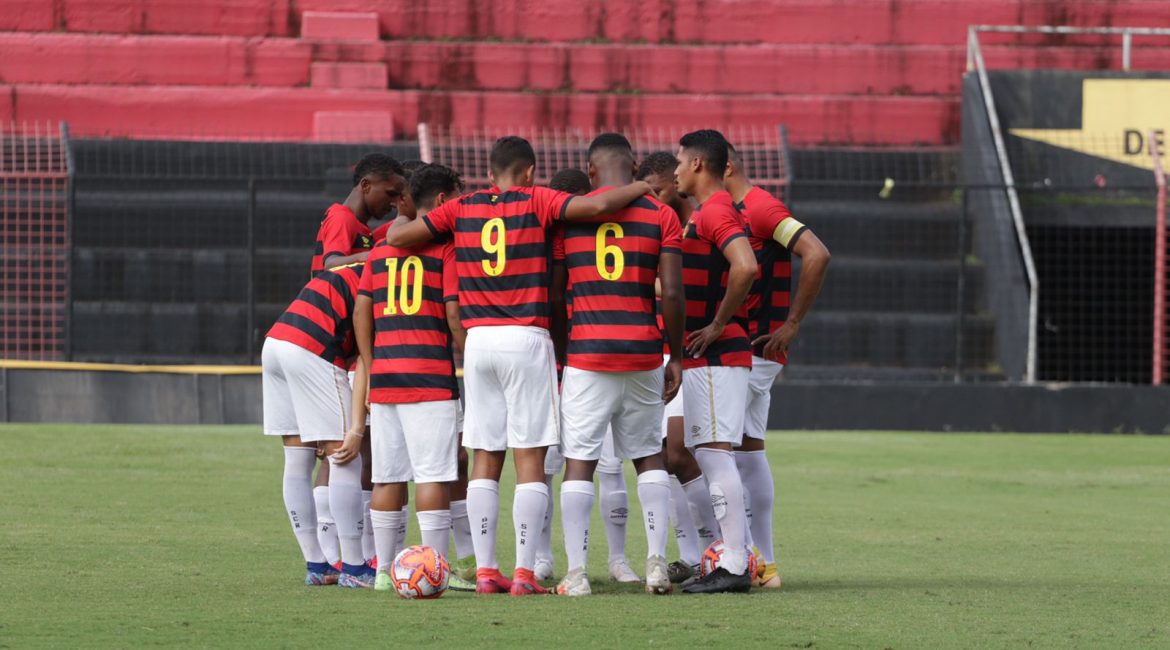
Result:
[
  {"x": 711, "y": 147},
  {"x": 573, "y": 181},
  {"x": 430, "y": 180},
  {"x": 613, "y": 141},
  {"x": 377, "y": 164},
  {"x": 408, "y": 167},
  {"x": 661, "y": 163},
  {"x": 512, "y": 153}
]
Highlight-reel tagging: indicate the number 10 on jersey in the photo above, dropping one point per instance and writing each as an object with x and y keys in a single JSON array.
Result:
[{"x": 408, "y": 298}]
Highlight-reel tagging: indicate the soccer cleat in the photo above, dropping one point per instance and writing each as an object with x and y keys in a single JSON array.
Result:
[
  {"x": 465, "y": 569},
  {"x": 524, "y": 584},
  {"x": 759, "y": 561},
  {"x": 769, "y": 578},
  {"x": 382, "y": 582},
  {"x": 356, "y": 577},
  {"x": 720, "y": 581},
  {"x": 544, "y": 568},
  {"x": 620, "y": 571},
  {"x": 657, "y": 576},
  {"x": 318, "y": 574},
  {"x": 455, "y": 583},
  {"x": 680, "y": 571},
  {"x": 491, "y": 581},
  {"x": 575, "y": 583}
]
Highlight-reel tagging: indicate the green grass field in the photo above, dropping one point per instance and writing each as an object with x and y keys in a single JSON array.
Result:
[{"x": 119, "y": 536}]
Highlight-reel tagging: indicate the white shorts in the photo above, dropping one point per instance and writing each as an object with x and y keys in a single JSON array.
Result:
[
  {"x": 609, "y": 463},
  {"x": 554, "y": 461},
  {"x": 760, "y": 381},
  {"x": 418, "y": 440},
  {"x": 304, "y": 395},
  {"x": 510, "y": 377},
  {"x": 716, "y": 402},
  {"x": 629, "y": 402}
]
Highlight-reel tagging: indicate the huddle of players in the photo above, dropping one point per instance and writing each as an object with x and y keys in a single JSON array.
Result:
[{"x": 487, "y": 274}]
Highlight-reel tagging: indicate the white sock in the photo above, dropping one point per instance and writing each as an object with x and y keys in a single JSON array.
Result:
[
  {"x": 685, "y": 532},
  {"x": 483, "y": 513},
  {"x": 528, "y": 507},
  {"x": 298, "y": 500},
  {"x": 654, "y": 494},
  {"x": 761, "y": 490},
  {"x": 400, "y": 533},
  {"x": 576, "y": 507},
  {"x": 368, "y": 551},
  {"x": 544, "y": 543},
  {"x": 386, "y": 527},
  {"x": 434, "y": 525},
  {"x": 461, "y": 529},
  {"x": 345, "y": 502},
  {"x": 727, "y": 502},
  {"x": 615, "y": 510},
  {"x": 326, "y": 528},
  {"x": 699, "y": 499}
]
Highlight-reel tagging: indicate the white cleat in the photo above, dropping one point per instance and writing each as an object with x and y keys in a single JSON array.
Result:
[
  {"x": 575, "y": 583},
  {"x": 620, "y": 571},
  {"x": 657, "y": 576},
  {"x": 543, "y": 569}
]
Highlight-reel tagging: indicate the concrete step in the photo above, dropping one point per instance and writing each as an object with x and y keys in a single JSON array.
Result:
[
  {"x": 899, "y": 340},
  {"x": 878, "y": 229}
]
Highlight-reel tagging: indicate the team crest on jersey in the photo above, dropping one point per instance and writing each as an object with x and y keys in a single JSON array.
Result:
[
  {"x": 366, "y": 241},
  {"x": 495, "y": 197}
]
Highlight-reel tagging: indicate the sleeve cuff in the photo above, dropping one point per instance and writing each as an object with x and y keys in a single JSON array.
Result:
[
  {"x": 796, "y": 237},
  {"x": 730, "y": 239},
  {"x": 670, "y": 250},
  {"x": 366, "y": 292},
  {"x": 564, "y": 209},
  {"x": 426, "y": 219}
]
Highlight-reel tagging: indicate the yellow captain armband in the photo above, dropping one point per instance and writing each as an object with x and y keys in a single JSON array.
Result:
[{"x": 787, "y": 231}]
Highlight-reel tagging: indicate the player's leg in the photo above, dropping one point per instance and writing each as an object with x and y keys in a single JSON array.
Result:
[
  {"x": 463, "y": 568},
  {"x": 530, "y": 394},
  {"x": 686, "y": 533},
  {"x": 432, "y": 440},
  {"x": 636, "y": 436},
  {"x": 589, "y": 401},
  {"x": 615, "y": 510},
  {"x": 752, "y": 461},
  {"x": 368, "y": 551},
  {"x": 485, "y": 432},
  {"x": 554, "y": 463},
  {"x": 681, "y": 463},
  {"x": 713, "y": 432},
  {"x": 390, "y": 471}
]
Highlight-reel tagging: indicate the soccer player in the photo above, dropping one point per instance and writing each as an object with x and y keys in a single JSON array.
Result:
[
  {"x": 405, "y": 202},
  {"x": 344, "y": 238},
  {"x": 405, "y": 320},
  {"x": 502, "y": 249},
  {"x": 775, "y": 236},
  {"x": 718, "y": 269},
  {"x": 571, "y": 181},
  {"x": 694, "y": 518},
  {"x": 306, "y": 402},
  {"x": 614, "y": 375}
]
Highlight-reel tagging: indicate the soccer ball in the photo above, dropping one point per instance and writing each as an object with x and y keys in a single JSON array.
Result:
[
  {"x": 713, "y": 557},
  {"x": 420, "y": 572}
]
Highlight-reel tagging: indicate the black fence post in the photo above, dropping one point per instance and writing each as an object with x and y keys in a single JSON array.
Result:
[
  {"x": 70, "y": 216},
  {"x": 961, "y": 289},
  {"x": 251, "y": 270}
]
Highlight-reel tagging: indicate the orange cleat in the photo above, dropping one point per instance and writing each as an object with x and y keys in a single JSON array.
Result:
[
  {"x": 524, "y": 584},
  {"x": 491, "y": 581}
]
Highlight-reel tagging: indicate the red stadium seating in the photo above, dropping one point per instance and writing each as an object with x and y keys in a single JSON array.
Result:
[{"x": 854, "y": 71}]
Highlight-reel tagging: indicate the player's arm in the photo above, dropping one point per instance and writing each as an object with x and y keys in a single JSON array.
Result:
[
  {"x": 363, "y": 331},
  {"x": 333, "y": 259},
  {"x": 455, "y": 324},
  {"x": 673, "y": 318},
  {"x": 606, "y": 203},
  {"x": 407, "y": 234},
  {"x": 814, "y": 262},
  {"x": 740, "y": 273}
]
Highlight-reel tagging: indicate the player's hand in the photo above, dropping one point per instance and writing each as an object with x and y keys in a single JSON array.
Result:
[
  {"x": 673, "y": 373},
  {"x": 698, "y": 342},
  {"x": 350, "y": 449},
  {"x": 777, "y": 342}
]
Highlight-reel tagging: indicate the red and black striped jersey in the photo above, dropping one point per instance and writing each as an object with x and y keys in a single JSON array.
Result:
[
  {"x": 502, "y": 251},
  {"x": 612, "y": 265},
  {"x": 772, "y": 232},
  {"x": 340, "y": 234},
  {"x": 714, "y": 225},
  {"x": 380, "y": 232},
  {"x": 412, "y": 341},
  {"x": 320, "y": 320}
]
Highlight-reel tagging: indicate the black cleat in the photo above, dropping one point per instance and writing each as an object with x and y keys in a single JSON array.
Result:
[
  {"x": 720, "y": 581},
  {"x": 679, "y": 571}
]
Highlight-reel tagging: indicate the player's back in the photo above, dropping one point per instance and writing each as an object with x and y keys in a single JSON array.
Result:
[
  {"x": 320, "y": 319},
  {"x": 502, "y": 252},
  {"x": 412, "y": 341},
  {"x": 612, "y": 266}
]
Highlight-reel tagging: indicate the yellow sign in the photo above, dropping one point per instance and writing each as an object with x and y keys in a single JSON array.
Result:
[{"x": 1117, "y": 117}]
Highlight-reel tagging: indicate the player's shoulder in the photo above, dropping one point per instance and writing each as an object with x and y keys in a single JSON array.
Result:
[
  {"x": 760, "y": 199},
  {"x": 337, "y": 212}
]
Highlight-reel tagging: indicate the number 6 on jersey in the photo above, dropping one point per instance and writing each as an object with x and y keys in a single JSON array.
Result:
[
  {"x": 409, "y": 297},
  {"x": 605, "y": 251}
]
